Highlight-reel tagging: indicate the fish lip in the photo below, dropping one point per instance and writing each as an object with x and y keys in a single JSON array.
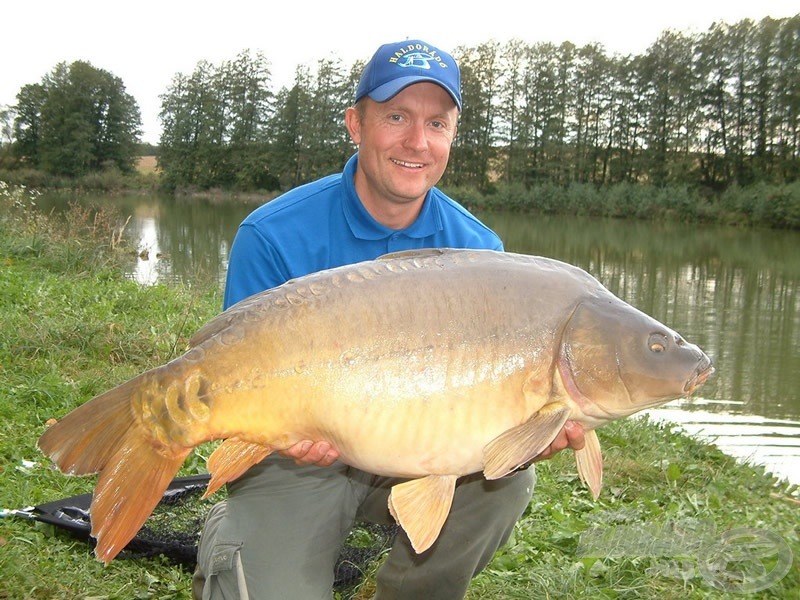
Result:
[{"x": 704, "y": 371}]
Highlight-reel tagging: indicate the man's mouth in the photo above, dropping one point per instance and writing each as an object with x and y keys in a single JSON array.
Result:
[{"x": 409, "y": 165}]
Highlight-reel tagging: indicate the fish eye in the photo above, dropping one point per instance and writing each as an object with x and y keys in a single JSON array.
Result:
[{"x": 657, "y": 342}]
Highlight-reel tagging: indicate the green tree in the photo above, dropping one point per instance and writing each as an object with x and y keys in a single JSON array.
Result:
[
  {"x": 471, "y": 161},
  {"x": 287, "y": 130},
  {"x": 214, "y": 125},
  {"x": 28, "y": 122},
  {"x": 513, "y": 128},
  {"x": 6, "y": 125},
  {"x": 592, "y": 93},
  {"x": 559, "y": 165},
  {"x": 626, "y": 141},
  {"x": 670, "y": 101},
  {"x": 326, "y": 140},
  {"x": 715, "y": 72},
  {"x": 79, "y": 119},
  {"x": 785, "y": 100},
  {"x": 542, "y": 113}
]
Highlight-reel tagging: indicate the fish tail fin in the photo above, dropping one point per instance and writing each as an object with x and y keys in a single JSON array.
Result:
[
  {"x": 128, "y": 491},
  {"x": 84, "y": 440},
  {"x": 230, "y": 460},
  {"x": 104, "y": 436}
]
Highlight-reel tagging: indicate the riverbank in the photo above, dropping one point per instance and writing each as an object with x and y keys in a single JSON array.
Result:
[
  {"x": 72, "y": 327},
  {"x": 758, "y": 205}
]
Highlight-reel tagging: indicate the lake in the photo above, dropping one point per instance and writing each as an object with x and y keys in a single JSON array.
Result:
[{"x": 734, "y": 292}]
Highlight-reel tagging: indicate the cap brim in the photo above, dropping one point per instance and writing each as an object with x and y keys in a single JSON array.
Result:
[{"x": 389, "y": 90}]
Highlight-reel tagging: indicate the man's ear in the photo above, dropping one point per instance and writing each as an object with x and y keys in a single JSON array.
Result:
[{"x": 352, "y": 120}]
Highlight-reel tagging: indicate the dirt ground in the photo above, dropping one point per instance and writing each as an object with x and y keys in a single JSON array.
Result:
[{"x": 146, "y": 164}]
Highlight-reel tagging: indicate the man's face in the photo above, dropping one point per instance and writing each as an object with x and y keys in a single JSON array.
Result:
[{"x": 404, "y": 145}]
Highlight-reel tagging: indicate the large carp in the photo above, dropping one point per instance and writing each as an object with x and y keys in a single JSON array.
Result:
[{"x": 423, "y": 365}]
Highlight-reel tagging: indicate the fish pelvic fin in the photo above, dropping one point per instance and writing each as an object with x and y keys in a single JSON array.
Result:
[
  {"x": 521, "y": 444},
  {"x": 590, "y": 463},
  {"x": 421, "y": 507},
  {"x": 104, "y": 436},
  {"x": 231, "y": 459}
]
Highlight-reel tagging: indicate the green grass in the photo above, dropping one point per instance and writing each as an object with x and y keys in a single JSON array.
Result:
[{"x": 72, "y": 327}]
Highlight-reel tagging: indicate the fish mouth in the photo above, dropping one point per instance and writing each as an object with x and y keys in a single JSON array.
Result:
[{"x": 704, "y": 371}]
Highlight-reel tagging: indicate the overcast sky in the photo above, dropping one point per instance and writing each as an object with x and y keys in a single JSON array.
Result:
[{"x": 146, "y": 43}]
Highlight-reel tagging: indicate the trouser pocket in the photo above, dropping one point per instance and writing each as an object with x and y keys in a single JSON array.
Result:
[{"x": 224, "y": 573}]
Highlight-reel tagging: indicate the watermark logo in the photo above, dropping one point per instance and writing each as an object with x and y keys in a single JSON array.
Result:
[
  {"x": 746, "y": 560},
  {"x": 739, "y": 561}
]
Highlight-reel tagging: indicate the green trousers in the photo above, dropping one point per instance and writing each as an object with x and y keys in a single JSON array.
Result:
[{"x": 279, "y": 533}]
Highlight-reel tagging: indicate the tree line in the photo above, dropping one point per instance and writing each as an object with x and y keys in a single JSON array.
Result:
[
  {"x": 711, "y": 110},
  {"x": 78, "y": 119}
]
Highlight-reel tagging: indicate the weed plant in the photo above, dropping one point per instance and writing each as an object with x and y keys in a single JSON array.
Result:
[{"x": 764, "y": 205}]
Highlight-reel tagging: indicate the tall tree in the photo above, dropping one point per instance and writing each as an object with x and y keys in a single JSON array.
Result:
[
  {"x": 184, "y": 121},
  {"x": 513, "y": 129},
  {"x": 28, "y": 122},
  {"x": 327, "y": 139},
  {"x": 541, "y": 115},
  {"x": 79, "y": 119},
  {"x": 6, "y": 125},
  {"x": 287, "y": 129},
  {"x": 474, "y": 147},
  {"x": 669, "y": 102},
  {"x": 785, "y": 100}
]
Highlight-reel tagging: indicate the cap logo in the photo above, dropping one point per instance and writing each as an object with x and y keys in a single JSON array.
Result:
[{"x": 418, "y": 56}]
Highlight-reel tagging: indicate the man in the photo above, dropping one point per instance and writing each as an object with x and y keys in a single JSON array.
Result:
[{"x": 280, "y": 531}]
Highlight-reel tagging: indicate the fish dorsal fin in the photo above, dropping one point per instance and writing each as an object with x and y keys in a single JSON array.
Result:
[
  {"x": 213, "y": 327},
  {"x": 244, "y": 310},
  {"x": 521, "y": 444},
  {"x": 231, "y": 459},
  {"x": 590, "y": 463},
  {"x": 421, "y": 507}
]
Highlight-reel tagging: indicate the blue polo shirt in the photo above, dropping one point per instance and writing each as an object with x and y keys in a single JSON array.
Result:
[{"x": 323, "y": 224}]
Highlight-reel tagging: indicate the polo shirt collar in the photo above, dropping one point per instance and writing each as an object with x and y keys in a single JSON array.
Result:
[{"x": 365, "y": 227}]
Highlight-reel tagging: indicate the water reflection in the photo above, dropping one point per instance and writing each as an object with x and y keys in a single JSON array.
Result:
[
  {"x": 753, "y": 438},
  {"x": 733, "y": 292},
  {"x": 148, "y": 252},
  {"x": 180, "y": 240}
]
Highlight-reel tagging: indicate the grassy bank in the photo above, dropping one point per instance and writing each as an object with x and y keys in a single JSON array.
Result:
[
  {"x": 758, "y": 205},
  {"x": 73, "y": 327}
]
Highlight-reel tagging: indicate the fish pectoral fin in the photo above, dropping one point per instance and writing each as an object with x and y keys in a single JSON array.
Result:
[
  {"x": 421, "y": 507},
  {"x": 590, "y": 463},
  {"x": 231, "y": 459},
  {"x": 517, "y": 446}
]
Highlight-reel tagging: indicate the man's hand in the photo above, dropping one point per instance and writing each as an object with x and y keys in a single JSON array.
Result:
[
  {"x": 307, "y": 452},
  {"x": 570, "y": 436},
  {"x": 323, "y": 454}
]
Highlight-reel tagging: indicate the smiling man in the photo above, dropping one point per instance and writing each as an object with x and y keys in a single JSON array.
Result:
[{"x": 279, "y": 532}]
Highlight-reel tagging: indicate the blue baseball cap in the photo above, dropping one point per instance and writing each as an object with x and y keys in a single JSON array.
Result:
[{"x": 397, "y": 65}]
